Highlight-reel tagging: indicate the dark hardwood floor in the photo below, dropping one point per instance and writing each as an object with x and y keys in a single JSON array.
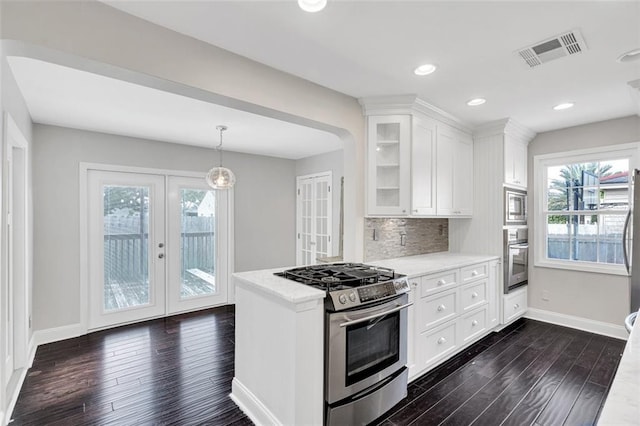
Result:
[{"x": 178, "y": 371}]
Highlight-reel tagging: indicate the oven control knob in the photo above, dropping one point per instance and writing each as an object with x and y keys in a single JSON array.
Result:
[
  {"x": 352, "y": 296},
  {"x": 342, "y": 299}
]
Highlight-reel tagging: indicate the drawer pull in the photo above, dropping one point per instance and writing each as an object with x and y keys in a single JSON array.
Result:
[
  {"x": 474, "y": 323},
  {"x": 442, "y": 340},
  {"x": 441, "y": 308},
  {"x": 516, "y": 306},
  {"x": 441, "y": 282},
  {"x": 474, "y": 295},
  {"x": 414, "y": 284},
  {"x": 474, "y": 273}
]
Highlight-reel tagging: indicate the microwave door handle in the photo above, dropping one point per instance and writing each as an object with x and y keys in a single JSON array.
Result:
[
  {"x": 374, "y": 316},
  {"x": 625, "y": 232}
]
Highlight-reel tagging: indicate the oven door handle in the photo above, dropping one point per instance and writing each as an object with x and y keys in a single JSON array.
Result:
[
  {"x": 519, "y": 246},
  {"x": 370, "y": 317}
]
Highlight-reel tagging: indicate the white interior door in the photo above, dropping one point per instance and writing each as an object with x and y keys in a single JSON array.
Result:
[
  {"x": 314, "y": 218},
  {"x": 196, "y": 245},
  {"x": 126, "y": 230},
  {"x": 9, "y": 280},
  {"x": 15, "y": 291}
]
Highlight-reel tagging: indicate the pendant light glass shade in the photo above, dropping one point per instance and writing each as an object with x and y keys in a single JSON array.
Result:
[{"x": 221, "y": 177}]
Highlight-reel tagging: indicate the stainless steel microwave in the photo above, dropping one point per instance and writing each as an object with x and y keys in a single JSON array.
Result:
[{"x": 515, "y": 207}]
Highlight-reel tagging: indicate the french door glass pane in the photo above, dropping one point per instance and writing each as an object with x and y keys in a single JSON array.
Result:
[
  {"x": 197, "y": 243},
  {"x": 126, "y": 246}
]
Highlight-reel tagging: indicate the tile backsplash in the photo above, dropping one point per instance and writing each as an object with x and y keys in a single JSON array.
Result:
[{"x": 397, "y": 237}]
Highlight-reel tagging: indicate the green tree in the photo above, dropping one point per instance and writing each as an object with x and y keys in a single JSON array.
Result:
[{"x": 571, "y": 176}]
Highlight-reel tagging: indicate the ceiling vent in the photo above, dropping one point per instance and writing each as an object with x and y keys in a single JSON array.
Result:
[{"x": 569, "y": 43}]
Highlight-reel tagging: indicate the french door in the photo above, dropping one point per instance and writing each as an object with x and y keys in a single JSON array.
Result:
[
  {"x": 314, "y": 214},
  {"x": 153, "y": 246}
]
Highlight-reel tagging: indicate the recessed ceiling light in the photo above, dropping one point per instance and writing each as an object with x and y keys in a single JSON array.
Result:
[
  {"x": 562, "y": 106},
  {"x": 476, "y": 101},
  {"x": 632, "y": 55},
  {"x": 425, "y": 69},
  {"x": 312, "y": 5}
]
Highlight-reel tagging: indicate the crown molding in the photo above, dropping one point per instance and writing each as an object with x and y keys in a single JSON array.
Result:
[
  {"x": 409, "y": 105},
  {"x": 505, "y": 126}
]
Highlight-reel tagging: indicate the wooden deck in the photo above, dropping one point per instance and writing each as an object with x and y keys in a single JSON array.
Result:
[{"x": 119, "y": 295}]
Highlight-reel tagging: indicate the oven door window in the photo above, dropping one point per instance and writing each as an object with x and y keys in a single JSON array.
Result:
[
  {"x": 372, "y": 346},
  {"x": 518, "y": 262}
]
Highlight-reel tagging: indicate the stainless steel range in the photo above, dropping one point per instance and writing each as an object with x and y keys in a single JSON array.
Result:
[{"x": 365, "y": 338}]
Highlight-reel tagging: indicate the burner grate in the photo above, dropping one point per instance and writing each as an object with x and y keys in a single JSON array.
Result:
[{"x": 339, "y": 276}]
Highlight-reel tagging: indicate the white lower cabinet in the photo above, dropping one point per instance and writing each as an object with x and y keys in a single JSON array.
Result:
[
  {"x": 435, "y": 344},
  {"x": 451, "y": 310},
  {"x": 514, "y": 305},
  {"x": 474, "y": 324},
  {"x": 437, "y": 309}
]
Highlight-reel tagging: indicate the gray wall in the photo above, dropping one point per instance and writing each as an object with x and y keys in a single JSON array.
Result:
[
  {"x": 594, "y": 296},
  {"x": 264, "y": 217},
  {"x": 334, "y": 162}
]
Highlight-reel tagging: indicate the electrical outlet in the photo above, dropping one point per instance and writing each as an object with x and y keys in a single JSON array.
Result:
[{"x": 545, "y": 295}]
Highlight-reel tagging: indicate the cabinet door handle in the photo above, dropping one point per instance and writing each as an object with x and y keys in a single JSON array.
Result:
[
  {"x": 441, "y": 308},
  {"x": 516, "y": 306},
  {"x": 474, "y": 295},
  {"x": 441, "y": 340},
  {"x": 474, "y": 323},
  {"x": 441, "y": 282},
  {"x": 414, "y": 284}
]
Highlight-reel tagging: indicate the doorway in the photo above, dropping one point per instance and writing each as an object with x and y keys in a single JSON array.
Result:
[
  {"x": 158, "y": 245},
  {"x": 15, "y": 288},
  {"x": 313, "y": 218}
]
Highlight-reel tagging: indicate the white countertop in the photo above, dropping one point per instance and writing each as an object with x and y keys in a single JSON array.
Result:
[
  {"x": 295, "y": 293},
  {"x": 622, "y": 406},
  {"x": 286, "y": 289},
  {"x": 430, "y": 263}
]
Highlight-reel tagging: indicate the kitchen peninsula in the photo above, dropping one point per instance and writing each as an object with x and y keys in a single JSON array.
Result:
[{"x": 279, "y": 358}]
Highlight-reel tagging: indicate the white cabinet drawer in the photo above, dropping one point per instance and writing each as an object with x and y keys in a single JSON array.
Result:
[
  {"x": 437, "y": 343},
  {"x": 514, "y": 305},
  {"x": 437, "y": 309},
  {"x": 473, "y": 324},
  {"x": 473, "y": 295},
  {"x": 437, "y": 282},
  {"x": 474, "y": 272}
]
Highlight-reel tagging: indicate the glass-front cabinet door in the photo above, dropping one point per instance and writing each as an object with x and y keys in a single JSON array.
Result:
[{"x": 388, "y": 159}]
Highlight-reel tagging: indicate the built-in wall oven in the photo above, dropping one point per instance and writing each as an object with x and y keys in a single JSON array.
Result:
[
  {"x": 516, "y": 258},
  {"x": 515, "y": 207}
]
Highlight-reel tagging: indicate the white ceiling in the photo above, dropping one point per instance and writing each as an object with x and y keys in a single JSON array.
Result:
[
  {"x": 367, "y": 48},
  {"x": 68, "y": 97}
]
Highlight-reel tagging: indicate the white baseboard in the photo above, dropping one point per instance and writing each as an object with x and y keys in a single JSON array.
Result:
[
  {"x": 585, "y": 324},
  {"x": 50, "y": 335},
  {"x": 251, "y": 406},
  {"x": 31, "y": 351}
]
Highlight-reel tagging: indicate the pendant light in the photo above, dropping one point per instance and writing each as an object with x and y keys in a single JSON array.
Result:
[{"x": 221, "y": 177}]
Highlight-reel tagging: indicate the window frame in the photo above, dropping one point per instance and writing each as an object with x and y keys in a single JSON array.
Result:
[{"x": 541, "y": 163}]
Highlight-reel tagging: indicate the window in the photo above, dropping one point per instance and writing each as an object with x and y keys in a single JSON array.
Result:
[{"x": 582, "y": 200}]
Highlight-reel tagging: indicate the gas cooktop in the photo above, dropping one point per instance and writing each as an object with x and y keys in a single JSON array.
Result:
[{"x": 349, "y": 284}]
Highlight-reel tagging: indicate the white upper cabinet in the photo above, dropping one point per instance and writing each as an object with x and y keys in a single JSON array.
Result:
[
  {"x": 515, "y": 162},
  {"x": 419, "y": 162},
  {"x": 454, "y": 172},
  {"x": 388, "y": 163},
  {"x": 423, "y": 166}
]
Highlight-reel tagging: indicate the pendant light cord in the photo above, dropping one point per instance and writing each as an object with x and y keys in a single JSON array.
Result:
[{"x": 219, "y": 147}]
